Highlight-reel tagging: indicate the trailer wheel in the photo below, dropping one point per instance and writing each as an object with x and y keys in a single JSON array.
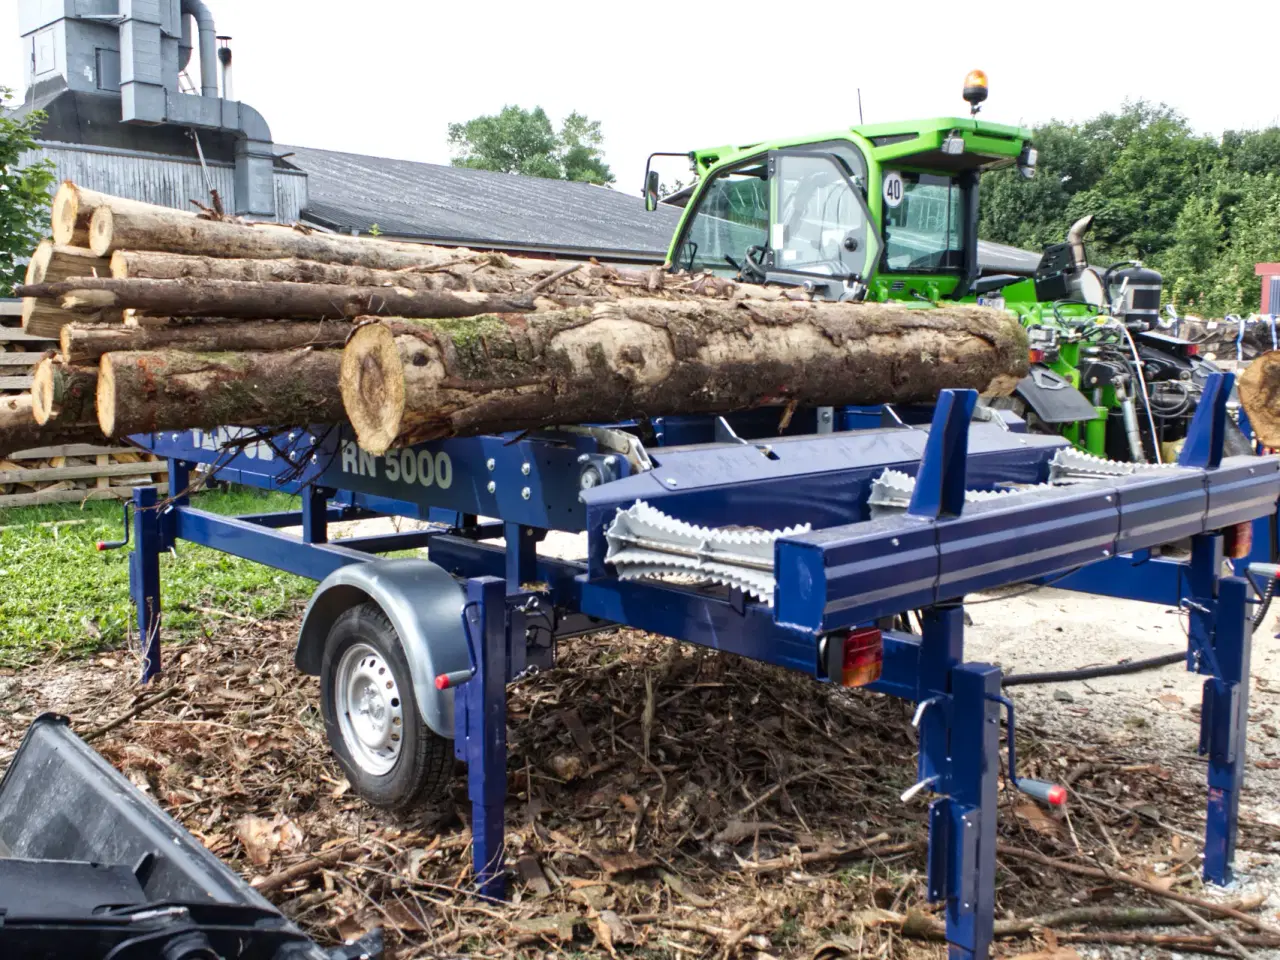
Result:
[{"x": 392, "y": 758}]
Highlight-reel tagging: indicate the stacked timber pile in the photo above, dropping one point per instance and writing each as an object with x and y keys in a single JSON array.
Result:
[
  {"x": 32, "y": 470},
  {"x": 206, "y": 322}
]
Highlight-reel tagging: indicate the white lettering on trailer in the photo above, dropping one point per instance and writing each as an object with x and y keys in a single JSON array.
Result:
[
  {"x": 217, "y": 440},
  {"x": 413, "y": 467}
]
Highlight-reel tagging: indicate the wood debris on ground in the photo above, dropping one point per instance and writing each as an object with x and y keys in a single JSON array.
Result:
[{"x": 762, "y": 819}]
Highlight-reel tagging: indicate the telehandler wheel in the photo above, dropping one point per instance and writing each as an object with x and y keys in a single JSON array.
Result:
[{"x": 371, "y": 717}]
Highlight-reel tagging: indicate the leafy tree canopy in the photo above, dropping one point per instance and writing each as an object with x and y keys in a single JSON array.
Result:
[
  {"x": 516, "y": 140},
  {"x": 24, "y": 192},
  {"x": 1200, "y": 210}
]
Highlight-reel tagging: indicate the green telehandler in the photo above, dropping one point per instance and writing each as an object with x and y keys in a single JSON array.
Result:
[{"x": 890, "y": 212}]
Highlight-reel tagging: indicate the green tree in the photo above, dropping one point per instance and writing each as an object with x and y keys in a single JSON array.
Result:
[
  {"x": 24, "y": 192},
  {"x": 522, "y": 141}
]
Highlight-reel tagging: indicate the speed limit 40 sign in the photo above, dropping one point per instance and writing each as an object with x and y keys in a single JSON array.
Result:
[{"x": 893, "y": 188}]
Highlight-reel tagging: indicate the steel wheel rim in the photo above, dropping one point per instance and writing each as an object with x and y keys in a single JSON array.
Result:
[{"x": 369, "y": 708}]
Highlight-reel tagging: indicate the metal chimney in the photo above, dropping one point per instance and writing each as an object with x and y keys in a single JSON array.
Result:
[{"x": 224, "y": 57}]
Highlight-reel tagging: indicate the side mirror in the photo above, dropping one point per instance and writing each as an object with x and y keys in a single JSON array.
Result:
[{"x": 651, "y": 191}]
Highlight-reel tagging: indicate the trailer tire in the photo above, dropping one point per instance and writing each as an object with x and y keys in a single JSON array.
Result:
[{"x": 371, "y": 717}]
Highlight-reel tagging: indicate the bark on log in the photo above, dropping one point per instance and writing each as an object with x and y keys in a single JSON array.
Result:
[
  {"x": 404, "y": 381},
  {"x": 146, "y": 391},
  {"x": 19, "y": 430},
  {"x": 73, "y": 209},
  {"x": 115, "y": 228},
  {"x": 1260, "y": 394},
  {"x": 252, "y": 300},
  {"x": 63, "y": 393},
  {"x": 151, "y": 265},
  {"x": 81, "y": 342}
]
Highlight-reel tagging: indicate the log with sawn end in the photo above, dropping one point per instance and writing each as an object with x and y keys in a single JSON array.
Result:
[
  {"x": 151, "y": 390},
  {"x": 1259, "y": 388},
  {"x": 405, "y": 381},
  {"x": 81, "y": 341},
  {"x": 254, "y": 300},
  {"x": 51, "y": 262},
  {"x": 154, "y": 265},
  {"x": 19, "y": 430},
  {"x": 63, "y": 393},
  {"x": 114, "y": 227},
  {"x": 74, "y": 206}
]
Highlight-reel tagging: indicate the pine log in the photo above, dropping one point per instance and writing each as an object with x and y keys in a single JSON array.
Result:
[
  {"x": 117, "y": 228},
  {"x": 404, "y": 380},
  {"x": 73, "y": 209},
  {"x": 51, "y": 262},
  {"x": 1259, "y": 388},
  {"x": 153, "y": 265},
  {"x": 19, "y": 430},
  {"x": 64, "y": 393},
  {"x": 46, "y": 318},
  {"x": 81, "y": 341},
  {"x": 146, "y": 391},
  {"x": 254, "y": 300}
]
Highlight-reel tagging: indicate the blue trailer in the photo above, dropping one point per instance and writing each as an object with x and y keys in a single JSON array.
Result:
[{"x": 797, "y": 550}]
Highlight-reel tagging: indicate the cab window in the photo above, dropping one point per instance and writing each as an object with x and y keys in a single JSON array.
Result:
[
  {"x": 821, "y": 225},
  {"x": 923, "y": 218},
  {"x": 732, "y": 217}
]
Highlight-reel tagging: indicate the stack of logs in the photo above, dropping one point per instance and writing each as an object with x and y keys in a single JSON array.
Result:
[{"x": 169, "y": 320}]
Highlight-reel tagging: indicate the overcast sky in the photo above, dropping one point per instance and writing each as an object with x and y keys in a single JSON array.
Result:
[{"x": 386, "y": 77}]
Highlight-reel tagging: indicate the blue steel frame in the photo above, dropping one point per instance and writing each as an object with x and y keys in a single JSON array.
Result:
[{"x": 852, "y": 571}]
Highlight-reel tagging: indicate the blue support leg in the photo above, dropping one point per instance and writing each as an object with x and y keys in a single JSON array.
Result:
[
  {"x": 179, "y": 481},
  {"x": 941, "y": 649},
  {"x": 315, "y": 514},
  {"x": 144, "y": 576},
  {"x": 1224, "y": 720},
  {"x": 522, "y": 555},
  {"x": 482, "y": 730},
  {"x": 970, "y": 811}
]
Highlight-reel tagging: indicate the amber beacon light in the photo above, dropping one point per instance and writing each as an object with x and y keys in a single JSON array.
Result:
[{"x": 975, "y": 89}]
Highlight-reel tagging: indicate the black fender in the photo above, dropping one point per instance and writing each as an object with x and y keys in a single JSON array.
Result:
[
  {"x": 424, "y": 604},
  {"x": 1052, "y": 397}
]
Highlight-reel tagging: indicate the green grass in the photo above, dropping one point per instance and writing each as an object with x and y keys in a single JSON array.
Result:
[{"x": 58, "y": 594}]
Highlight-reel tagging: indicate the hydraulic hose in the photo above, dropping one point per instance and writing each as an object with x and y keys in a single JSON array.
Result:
[
  {"x": 1146, "y": 396},
  {"x": 1090, "y": 673}
]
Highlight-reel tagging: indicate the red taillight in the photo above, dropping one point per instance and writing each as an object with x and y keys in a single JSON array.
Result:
[
  {"x": 1037, "y": 356},
  {"x": 1237, "y": 541},
  {"x": 1193, "y": 349},
  {"x": 863, "y": 657}
]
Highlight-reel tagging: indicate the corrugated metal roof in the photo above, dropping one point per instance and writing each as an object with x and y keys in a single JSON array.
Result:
[{"x": 429, "y": 201}]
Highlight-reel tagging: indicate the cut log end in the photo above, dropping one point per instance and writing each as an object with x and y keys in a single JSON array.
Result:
[
  {"x": 1259, "y": 388},
  {"x": 65, "y": 212},
  {"x": 101, "y": 231},
  {"x": 38, "y": 266},
  {"x": 106, "y": 399},
  {"x": 43, "y": 404},
  {"x": 373, "y": 387}
]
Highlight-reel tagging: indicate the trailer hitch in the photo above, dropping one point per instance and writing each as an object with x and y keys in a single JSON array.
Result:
[{"x": 1042, "y": 791}]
